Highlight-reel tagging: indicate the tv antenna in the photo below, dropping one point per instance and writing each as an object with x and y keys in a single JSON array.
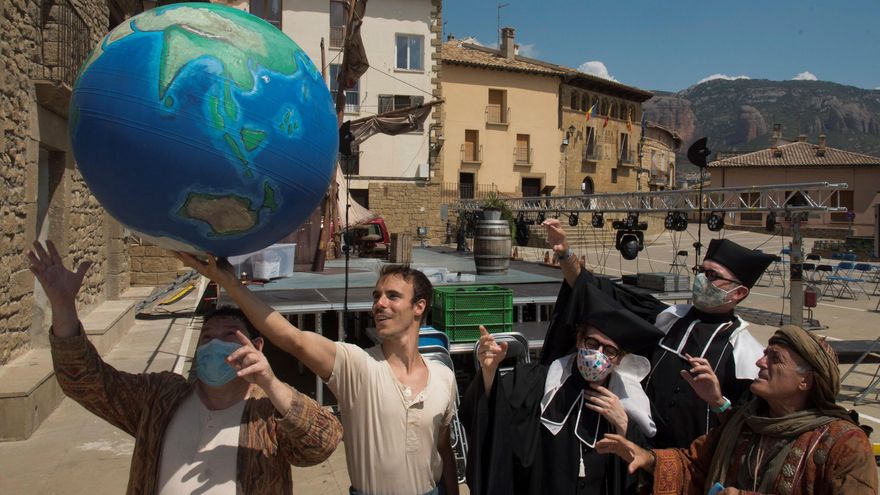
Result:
[{"x": 498, "y": 32}]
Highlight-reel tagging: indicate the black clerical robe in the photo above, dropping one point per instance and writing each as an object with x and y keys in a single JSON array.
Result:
[
  {"x": 511, "y": 452},
  {"x": 680, "y": 415}
]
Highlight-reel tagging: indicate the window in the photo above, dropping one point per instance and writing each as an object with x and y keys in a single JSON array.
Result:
[
  {"x": 585, "y": 102},
  {"x": 465, "y": 185},
  {"x": 352, "y": 96},
  {"x": 522, "y": 153},
  {"x": 587, "y": 186},
  {"x": 531, "y": 187},
  {"x": 614, "y": 176},
  {"x": 573, "y": 103},
  {"x": 625, "y": 154},
  {"x": 389, "y": 103},
  {"x": 409, "y": 52},
  {"x": 268, "y": 10},
  {"x": 470, "y": 150},
  {"x": 591, "y": 151},
  {"x": 496, "y": 111},
  {"x": 338, "y": 20},
  {"x": 844, "y": 199}
]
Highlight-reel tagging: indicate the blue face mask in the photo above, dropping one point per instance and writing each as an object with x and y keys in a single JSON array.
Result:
[{"x": 211, "y": 366}]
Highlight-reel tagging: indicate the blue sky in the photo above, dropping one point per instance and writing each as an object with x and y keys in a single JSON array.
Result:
[{"x": 672, "y": 44}]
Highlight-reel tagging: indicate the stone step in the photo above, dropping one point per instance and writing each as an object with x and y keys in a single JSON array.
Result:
[{"x": 28, "y": 389}]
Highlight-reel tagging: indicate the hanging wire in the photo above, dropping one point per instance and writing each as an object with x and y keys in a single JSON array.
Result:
[{"x": 402, "y": 81}]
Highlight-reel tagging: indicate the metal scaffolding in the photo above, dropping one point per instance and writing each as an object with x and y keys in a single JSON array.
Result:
[
  {"x": 804, "y": 197},
  {"x": 793, "y": 201}
]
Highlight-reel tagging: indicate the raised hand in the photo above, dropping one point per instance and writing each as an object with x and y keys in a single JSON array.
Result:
[
  {"x": 60, "y": 284},
  {"x": 637, "y": 457},
  {"x": 556, "y": 238},
  {"x": 219, "y": 271},
  {"x": 704, "y": 381},
  {"x": 604, "y": 402},
  {"x": 250, "y": 363},
  {"x": 490, "y": 354}
]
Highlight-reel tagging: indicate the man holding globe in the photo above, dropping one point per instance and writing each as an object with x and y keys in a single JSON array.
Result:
[
  {"x": 396, "y": 407},
  {"x": 236, "y": 429}
]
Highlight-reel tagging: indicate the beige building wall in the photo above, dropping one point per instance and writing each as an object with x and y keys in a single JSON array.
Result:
[
  {"x": 659, "y": 158},
  {"x": 864, "y": 183},
  {"x": 532, "y": 100},
  {"x": 605, "y": 166}
]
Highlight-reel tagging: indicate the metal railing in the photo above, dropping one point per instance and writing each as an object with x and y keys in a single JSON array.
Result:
[
  {"x": 471, "y": 153},
  {"x": 522, "y": 156},
  {"x": 337, "y": 36},
  {"x": 454, "y": 191},
  {"x": 592, "y": 153},
  {"x": 66, "y": 41},
  {"x": 497, "y": 114}
]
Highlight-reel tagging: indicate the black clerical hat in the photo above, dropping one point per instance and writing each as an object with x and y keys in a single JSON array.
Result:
[
  {"x": 631, "y": 333},
  {"x": 746, "y": 264}
]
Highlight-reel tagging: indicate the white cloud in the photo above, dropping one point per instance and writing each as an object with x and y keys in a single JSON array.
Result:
[
  {"x": 596, "y": 68},
  {"x": 805, "y": 76},
  {"x": 528, "y": 50},
  {"x": 721, "y": 76}
]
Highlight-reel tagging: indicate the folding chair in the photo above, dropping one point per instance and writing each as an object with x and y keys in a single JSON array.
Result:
[
  {"x": 872, "y": 387},
  {"x": 679, "y": 263},
  {"x": 822, "y": 273},
  {"x": 458, "y": 439},
  {"x": 813, "y": 261},
  {"x": 774, "y": 270},
  {"x": 517, "y": 351},
  {"x": 841, "y": 278},
  {"x": 864, "y": 271},
  {"x": 429, "y": 336}
]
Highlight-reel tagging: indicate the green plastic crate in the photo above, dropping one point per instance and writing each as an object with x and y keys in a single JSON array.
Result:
[{"x": 460, "y": 310}]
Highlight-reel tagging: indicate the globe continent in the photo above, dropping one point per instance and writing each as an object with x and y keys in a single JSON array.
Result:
[{"x": 203, "y": 128}]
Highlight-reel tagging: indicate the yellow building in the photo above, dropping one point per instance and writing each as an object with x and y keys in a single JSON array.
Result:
[
  {"x": 500, "y": 120},
  {"x": 601, "y": 120}
]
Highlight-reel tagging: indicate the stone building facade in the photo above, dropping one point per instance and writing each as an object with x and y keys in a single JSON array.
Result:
[
  {"x": 659, "y": 146},
  {"x": 45, "y": 198},
  {"x": 601, "y": 120}
]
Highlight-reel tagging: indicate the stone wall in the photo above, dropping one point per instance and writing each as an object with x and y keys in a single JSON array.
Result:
[
  {"x": 44, "y": 195},
  {"x": 151, "y": 265},
  {"x": 405, "y": 206}
]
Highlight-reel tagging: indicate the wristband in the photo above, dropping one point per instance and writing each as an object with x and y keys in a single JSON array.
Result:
[
  {"x": 564, "y": 256},
  {"x": 723, "y": 407}
]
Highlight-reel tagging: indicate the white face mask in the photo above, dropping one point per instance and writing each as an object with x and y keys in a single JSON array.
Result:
[
  {"x": 594, "y": 366},
  {"x": 707, "y": 296}
]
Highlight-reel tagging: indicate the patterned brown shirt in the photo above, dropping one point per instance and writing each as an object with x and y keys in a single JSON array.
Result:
[{"x": 142, "y": 406}]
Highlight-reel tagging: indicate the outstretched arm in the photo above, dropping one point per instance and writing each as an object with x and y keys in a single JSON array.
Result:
[
  {"x": 60, "y": 285},
  {"x": 315, "y": 351},
  {"x": 556, "y": 238}
]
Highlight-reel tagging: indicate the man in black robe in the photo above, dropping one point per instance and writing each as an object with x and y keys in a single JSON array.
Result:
[
  {"x": 706, "y": 360},
  {"x": 533, "y": 429}
]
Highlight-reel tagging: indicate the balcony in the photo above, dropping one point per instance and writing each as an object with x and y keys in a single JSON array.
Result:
[
  {"x": 471, "y": 153},
  {"x": 66, "y": 44},
  {"x": 626, "y": 157},
  {"x": 592, "y": 153},
  {"x": 522, "y": 156},
  {"x": 497, "y": 115},
  {"x": 453, "y": 191},
  {"x": 337, "y": 36},
  {"x": 658, "y": 179}
]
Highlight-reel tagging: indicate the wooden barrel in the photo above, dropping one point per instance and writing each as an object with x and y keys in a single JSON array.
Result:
[{"x": 492, "y": 247}]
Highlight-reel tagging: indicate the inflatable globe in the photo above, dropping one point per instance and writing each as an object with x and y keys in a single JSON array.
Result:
[{"x": 203, "y": 128}]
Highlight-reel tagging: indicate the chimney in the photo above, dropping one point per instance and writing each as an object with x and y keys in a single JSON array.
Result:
[
  {"x": 820, "y": 151},
  {"x": 774, "y": 140},
  {"x": 508, "y": 47},
  {"x": 802, "y": 138}
]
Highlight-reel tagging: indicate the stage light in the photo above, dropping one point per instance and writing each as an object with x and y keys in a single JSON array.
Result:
[
  {"x": 541, "y": 217},
  {"x": 573, "y": 219},
  {"x": 669, "y": 222},
  {"x": 715, "y": 222},
  {"x": 680, "y": 224},
  {"x": 629, "y": 243},
  {"x": 598, "y": 220}
]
